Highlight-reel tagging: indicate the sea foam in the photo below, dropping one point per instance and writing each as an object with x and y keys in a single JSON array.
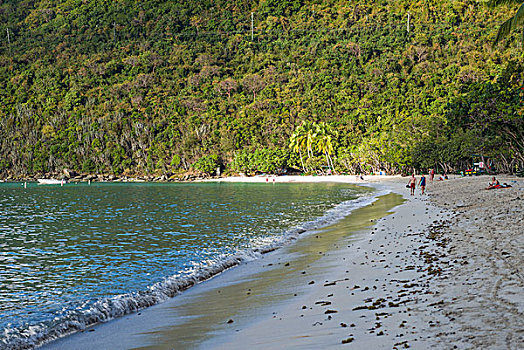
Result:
[{"x": 117, "y": 306}]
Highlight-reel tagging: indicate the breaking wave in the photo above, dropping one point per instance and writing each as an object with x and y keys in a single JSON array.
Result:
[{"x": 107, "y": 309}]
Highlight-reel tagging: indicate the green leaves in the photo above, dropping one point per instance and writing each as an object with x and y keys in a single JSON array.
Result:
[
  {"x": 511, "y": 23},
  {"x": 264, "y": 160},
  {"x": 131, "y": 86},
  {"x": 313, "y": 138},
  {"x": 207, "y": 164}
]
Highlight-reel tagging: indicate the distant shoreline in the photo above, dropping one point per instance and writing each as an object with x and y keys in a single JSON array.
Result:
[{"x": 195, "y": 178}]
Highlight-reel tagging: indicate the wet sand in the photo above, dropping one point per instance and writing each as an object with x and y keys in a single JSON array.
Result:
[{"x": 426, "y": 276}]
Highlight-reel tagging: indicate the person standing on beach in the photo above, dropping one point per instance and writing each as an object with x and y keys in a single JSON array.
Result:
[
  {"x": 431, "y": 174},
  {"x": 412, "y": 184},
  {"x": 422, "y": 184}
]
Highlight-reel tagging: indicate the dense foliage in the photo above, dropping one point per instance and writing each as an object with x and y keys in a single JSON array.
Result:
[
  {"x": 512, "y": 23},
  {"x": 143, "y": 87}
]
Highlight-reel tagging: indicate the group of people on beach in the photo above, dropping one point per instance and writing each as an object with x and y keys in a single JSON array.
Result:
[
  {"x": 442, "y": 177},
  {"x": 412, "y": 184}
]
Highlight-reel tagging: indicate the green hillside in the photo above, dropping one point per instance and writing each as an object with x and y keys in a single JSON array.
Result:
[{"x": 152, "y": 87}]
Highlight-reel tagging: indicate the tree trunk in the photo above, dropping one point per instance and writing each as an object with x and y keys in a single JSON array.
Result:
[{"x": 301, "y": 160}]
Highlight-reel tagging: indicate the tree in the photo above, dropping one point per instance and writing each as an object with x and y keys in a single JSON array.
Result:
[
  {"x": 253, "y": 83},
  {"x": 303, "y": 139},
  {"x": 207, "y": 164},
  {"x": 310, "y": 134},
  {"x": 227, "y": 85},
  {"x": 298, "y": 143},
  {"x": 511, "y": 23},
  {"x": 314, "y": 137},
  {"x": 325, "y": 138}
]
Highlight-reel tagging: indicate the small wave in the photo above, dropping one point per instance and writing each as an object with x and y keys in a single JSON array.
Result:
[{"x": 121, "y": 305}]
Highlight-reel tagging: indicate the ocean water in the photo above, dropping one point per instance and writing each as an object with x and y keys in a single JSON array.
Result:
[{"x": 80, "y": 254}]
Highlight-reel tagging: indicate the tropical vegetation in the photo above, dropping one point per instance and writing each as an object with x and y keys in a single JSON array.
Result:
[
  {"x": 134, "y": 87},
  {"x": 512, "y": 23}
]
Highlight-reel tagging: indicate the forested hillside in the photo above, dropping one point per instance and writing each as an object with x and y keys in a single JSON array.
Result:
[{"x": 163, "y": 87}]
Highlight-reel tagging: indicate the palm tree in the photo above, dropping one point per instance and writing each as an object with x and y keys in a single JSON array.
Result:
[
  {"x": 304, "y": 139},
  {"x": 298, "y": 142},
  {"x": 311, "y": 136},
  {"x": 325, "y": 135},
  {"x": 510, "y": 24}
]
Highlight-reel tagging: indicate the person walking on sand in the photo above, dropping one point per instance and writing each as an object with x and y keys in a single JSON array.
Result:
[
  {"x": 412, "y": 184},
  {"x": 422, "y": 184}
]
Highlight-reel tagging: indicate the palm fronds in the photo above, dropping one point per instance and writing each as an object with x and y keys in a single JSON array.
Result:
[{"x": 512, "y": 23}]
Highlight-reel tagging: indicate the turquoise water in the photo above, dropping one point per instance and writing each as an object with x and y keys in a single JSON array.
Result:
[{"x": 74, "y": 255}]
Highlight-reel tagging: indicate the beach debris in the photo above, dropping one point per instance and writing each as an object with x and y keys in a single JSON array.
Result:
[
  {"x": 342, "y": 324},
  {"x": 329, "y": 311},
  {"x": 437, "y": 303},
  {"x": 323, "y": 303},
  {"x": 403, "y": 344},
  {"x": 361, "y": 307},
  {"x": 230, "y": 321},
  {"x": 348, "y": 340}
]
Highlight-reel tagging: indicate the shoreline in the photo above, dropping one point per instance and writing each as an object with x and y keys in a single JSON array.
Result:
[
  {"x": 365, "y": 302},
  {"x": 105, "y": 310},
  {"x": 396, "y": 286},
  {"x": 152, "y": 314},
  {"x": 104, "y": 178}
]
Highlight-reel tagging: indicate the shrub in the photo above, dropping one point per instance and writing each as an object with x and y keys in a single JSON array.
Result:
[
  {"x": 207, "y": 164},
  {"x": 265, "y": 160}
]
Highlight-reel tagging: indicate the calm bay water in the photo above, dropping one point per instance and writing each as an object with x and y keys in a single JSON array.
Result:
[{"x": 79, "y": 254}]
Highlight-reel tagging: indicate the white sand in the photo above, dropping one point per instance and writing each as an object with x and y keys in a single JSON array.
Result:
[
  {"x": 374, "y": 307},
  {"x": 481, "y": 290},
  {"x": 434, "y": 274}
]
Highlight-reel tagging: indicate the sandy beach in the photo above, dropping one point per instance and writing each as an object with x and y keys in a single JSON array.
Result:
[{"x": 442, "y": 270}]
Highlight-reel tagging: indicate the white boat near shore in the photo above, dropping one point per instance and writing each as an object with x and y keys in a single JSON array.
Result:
[{"x": 51, "y": 182}]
